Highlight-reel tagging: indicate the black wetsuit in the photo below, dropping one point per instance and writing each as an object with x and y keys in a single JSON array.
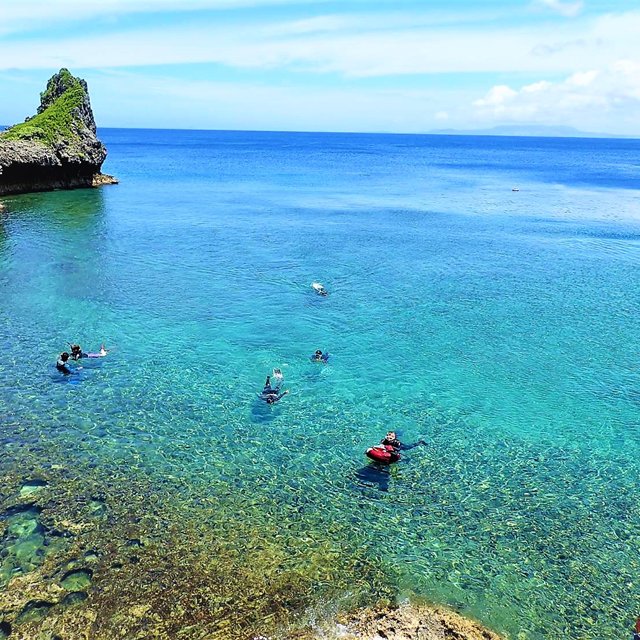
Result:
[
  {"x": 398, "y": 446},
  {"x": 271, "y": 394},
  {"x": 392, "y": 442},
  {"x": 270, "y": 391},
  {"x": 274, "y": 397},
  {"x": 62, "y": 366}
]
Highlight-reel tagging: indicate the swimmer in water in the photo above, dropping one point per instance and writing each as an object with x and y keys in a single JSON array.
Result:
[
  {"x": 318, "y": 356},
  {"x": 77, "y": 352},
  {"x": 270, "y": 394},
  {"x": 319, "y": 289},
  {"x": 391, "y": 440},
  {"x": 272, "y": 399},
  {"x": 62, "y": 363}
]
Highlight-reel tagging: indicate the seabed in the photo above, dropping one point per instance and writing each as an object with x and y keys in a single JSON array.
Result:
[{"x": 89, "y": 551}]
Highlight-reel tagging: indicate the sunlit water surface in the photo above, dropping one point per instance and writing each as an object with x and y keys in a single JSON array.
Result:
[{"x": 500, "y": 326}]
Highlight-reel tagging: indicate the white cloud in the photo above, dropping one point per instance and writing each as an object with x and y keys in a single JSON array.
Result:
[
  {"x": 567, "y": 9},
  {"x": 496, "y": 97},
  {"x": 583, "y": 79},
  {"x": 365, "y": 44},
  {"x": 593, "y": 98},
  {"x": 22, "y": 15},
  {"x": 353, "y": 46}
]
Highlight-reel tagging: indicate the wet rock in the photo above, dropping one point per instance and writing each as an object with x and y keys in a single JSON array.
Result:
[
  {"x": 102, "y": 179},
  {"x": 5, "y": 630},
  {"x": 409, "y": 622}
]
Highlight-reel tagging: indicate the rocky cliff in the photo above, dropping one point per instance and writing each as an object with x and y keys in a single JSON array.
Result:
[{"x": 57, "y": 148}]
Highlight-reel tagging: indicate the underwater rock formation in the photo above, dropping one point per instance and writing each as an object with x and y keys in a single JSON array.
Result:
[
  {"x": 106, "y": 551},
  {"x": 57, "y": 148}
]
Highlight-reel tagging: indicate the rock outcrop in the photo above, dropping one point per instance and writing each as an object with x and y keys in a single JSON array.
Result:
[
  {"x": 57, "y": 148},
  {"x": 410, "y": 622}
]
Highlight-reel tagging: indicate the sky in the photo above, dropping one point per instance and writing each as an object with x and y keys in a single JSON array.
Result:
[{"x": 315, "y": 65}]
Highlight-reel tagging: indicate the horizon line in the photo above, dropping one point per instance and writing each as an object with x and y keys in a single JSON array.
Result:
[{"x": 468, "y": 133}]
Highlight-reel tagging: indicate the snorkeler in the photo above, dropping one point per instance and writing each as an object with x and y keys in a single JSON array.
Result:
[
  {"x": 77, "y": 352},
  {"x": 391, "y": 440},
  {"x": 267, "y": 387},
  {"x": 272, "y": 399},
  {"x": 318, "y": 356},
  {"x": 62, "y": 363},
  {"x": 319, "y": 289},
  {"x": 270, "y": 394}
]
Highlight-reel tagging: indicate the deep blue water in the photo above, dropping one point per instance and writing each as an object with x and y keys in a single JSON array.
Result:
[{"x": 501, "y": 326}]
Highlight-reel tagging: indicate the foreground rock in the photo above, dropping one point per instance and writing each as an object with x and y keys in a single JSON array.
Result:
[
  {"x": 58, "y": 147},
  {"x": 411, "y": 623}
]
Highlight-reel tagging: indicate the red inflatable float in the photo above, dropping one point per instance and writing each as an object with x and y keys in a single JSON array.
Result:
[{"x": 383, "y": 453}]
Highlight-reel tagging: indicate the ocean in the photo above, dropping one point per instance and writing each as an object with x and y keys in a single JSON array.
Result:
[{"x": 500, "y": 326}]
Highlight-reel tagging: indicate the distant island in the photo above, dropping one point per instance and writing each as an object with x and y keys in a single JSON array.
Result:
[
  {"x": 533, "y": 130},
  {"x": 58, "y": 147}
]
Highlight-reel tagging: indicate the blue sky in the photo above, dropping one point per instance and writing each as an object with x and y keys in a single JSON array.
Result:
[{"x": 354, "y": 65}]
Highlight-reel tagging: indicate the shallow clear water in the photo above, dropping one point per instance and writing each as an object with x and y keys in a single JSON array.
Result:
[{"x": 501, "y": 326}]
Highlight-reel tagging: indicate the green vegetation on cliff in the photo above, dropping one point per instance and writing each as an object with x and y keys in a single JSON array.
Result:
[{"x": 55, "y": 122}]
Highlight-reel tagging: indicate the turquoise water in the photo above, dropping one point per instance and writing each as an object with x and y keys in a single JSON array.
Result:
[{"x": 500, "y": 326}]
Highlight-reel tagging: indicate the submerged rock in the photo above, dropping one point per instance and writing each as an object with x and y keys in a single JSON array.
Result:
[
  {"x": 22, "y": 546},
  {"x": 32, "y": 486},
  {"x": 77, "y": 580},
  {"x": 57, "y": 148},
  {"x": 34, "y": 611}
]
